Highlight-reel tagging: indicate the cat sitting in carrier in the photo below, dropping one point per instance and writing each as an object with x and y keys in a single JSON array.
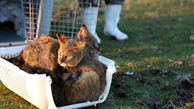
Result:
[
  {"x": 42, "y": 57},
  {"x": 43, "y": 51},
  {"x": 84, "y": 79},
  {"x": 91, "y": 45},
  {"x": 88, "y": 76}
]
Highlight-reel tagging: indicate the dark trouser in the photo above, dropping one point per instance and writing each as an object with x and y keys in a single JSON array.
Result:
[
  {"x": 94, "y": 3},
  {"x": 114, "y": 2}
]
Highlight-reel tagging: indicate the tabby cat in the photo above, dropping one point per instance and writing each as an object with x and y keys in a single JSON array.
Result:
[
  {"x": 42, "y": 57},
  {"x": 88, "y": 76},
  {"x": 92, "y": 46}
]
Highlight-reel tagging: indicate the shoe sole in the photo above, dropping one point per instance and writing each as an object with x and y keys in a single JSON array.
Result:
[{"x": 115, "y": 37}]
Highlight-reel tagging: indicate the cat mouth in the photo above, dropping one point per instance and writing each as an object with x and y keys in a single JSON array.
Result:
[{"x": 63, "y": 64}]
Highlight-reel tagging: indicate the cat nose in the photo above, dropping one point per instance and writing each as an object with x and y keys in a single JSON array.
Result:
[{"x": 63, "y": 60}]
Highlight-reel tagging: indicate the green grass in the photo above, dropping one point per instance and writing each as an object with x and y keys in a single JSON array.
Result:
[{"x": 159, "y": 32}]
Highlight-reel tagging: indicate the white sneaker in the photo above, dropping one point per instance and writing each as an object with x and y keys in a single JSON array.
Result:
[
  {"x": 112, "y": 17},
  {"x": 89, "y": 18}
]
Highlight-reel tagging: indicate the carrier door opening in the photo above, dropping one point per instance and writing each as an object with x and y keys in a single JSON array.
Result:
[
  {"x": 8, "y": 33},
  {"x": 11, "y": 22}
]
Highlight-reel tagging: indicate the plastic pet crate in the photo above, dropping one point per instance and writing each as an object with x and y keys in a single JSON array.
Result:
[
  {"x": 45, "y": 16},
  {"x": 36, "y": 88}
]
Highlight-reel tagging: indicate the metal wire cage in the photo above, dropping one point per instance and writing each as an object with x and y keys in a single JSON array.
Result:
[{"x": 52, "y": 16}]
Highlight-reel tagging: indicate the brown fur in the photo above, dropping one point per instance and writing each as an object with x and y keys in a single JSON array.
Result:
[
  {"x": 89, "y": 85},
  {"x": 70, "y": 52},
  {"x": 46, "y": 38},
  {"x": 43, "y": 53},
  {"x": 58, "y": 94},
  {"x": 85, "y": 80},
  {"x": 42, "y": 57},
  {"x": 18, "y": 60},
  {"x": 92, "y": 46},
  {"x": 83, "y": 35},
  {"x": 88, "y": 80}
]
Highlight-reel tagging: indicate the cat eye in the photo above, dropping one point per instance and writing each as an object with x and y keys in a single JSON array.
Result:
[
  {"x": 65, "y": 57},
  {"x": 94, "y": 46}
]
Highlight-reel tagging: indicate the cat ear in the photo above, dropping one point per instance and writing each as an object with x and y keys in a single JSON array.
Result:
[
  {"x": 80, "y": 45},
  {"x": 84, "y": 28},
  {"x": 80, "y": 37},
  {"x": 82, "y": 34},
  {"x": 61, "y": 38}
]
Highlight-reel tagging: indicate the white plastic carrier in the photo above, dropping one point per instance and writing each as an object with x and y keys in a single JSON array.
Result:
[{"x": 36, "y": 88}]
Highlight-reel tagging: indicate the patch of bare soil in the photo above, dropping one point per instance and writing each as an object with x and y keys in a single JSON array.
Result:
[{"x": 182, "y": 88}]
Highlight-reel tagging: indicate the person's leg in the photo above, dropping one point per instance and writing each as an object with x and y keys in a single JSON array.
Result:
[
  {"x": 89, "y": 15},
  {"x": 112, "y": 17}
]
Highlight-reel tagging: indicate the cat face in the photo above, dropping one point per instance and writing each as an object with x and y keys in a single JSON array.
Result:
[
  {"x": 92, "y": 46},
  {"x": 70, "y": 52}
]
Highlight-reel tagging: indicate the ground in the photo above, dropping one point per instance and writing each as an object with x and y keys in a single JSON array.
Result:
[{"x": 160, "y": 52}]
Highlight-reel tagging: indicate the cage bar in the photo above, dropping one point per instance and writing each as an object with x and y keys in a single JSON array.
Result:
[{"x": 52, "y": 16}]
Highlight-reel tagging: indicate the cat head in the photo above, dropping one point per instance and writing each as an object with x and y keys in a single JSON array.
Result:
[
  {"x": 70, "y": 51},
  {"x": 92, "y": 46}
]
